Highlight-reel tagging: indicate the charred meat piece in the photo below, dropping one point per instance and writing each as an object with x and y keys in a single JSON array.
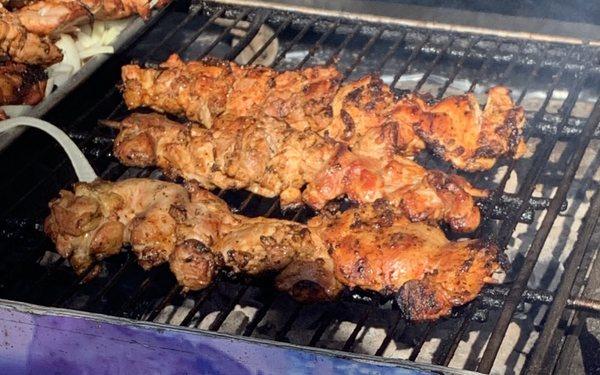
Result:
[
  {"x": 52, "y": 17},
  {"x": 365, "y": 114},
  {"x": 374, "y": 248},
  {"x": 371, "y": 247},
  {"x": 309, "y": 98},
  {"x": 271, "y": 158},
  {"x": 191, "y": 229},
  {"x": 21, "y": 84},
  {"x": 421, "y": 194},
  {"x": 457, "y": 130},
  {"x": 21, "y": 46}
]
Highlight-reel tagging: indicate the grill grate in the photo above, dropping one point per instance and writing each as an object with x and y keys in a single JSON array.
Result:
[{"x": 557, "y": 84}]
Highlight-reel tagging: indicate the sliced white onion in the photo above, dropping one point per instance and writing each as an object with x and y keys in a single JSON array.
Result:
[
  {"x": 98, "y": 28},
  {"x": 83, "y": 40},
  {"x": 69, "y": 49},
  {"x": 86, "y": 29},
  {"x": 49, "y": 86},
  {"x": 95, "y": 51},
  {"x": 15, "y": 110}
]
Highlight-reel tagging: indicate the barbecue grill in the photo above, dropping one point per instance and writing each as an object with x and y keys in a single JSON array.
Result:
[{"x": 543, "y": 210}]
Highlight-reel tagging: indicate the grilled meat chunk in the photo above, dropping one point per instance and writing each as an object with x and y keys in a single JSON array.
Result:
[
  {"x": 21, "y": 46},
  {"x": 364, "y": 114},
  {"x": 192, "y": 229},
  {"x": 371, "y": 247},
  {"x": 458, "y": 131},
  {"x": 309, "y": 98},
  {"x": 21, "y": 84},
  {"x": 419, "y": 193},
  {"x": 271, "y": 158},
  {"x": 52, "y": 17},
  {"x": 374, "y": 248}
]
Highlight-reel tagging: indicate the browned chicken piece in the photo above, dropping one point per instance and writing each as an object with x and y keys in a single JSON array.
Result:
[
  {"x": 16, "y": 4},
  {"x": 310, "y": 98},
  {"x": 21, "y": 84},
  {"x": 457, "y": 130},
  {"x": 271, "y": 159},
  {"x": 371, "y": 247},
  {"x": 192, "y": 229},
  {"x": 52, "y": 17},
  {"x": 374, "y": 248},
  {"x": 364, "y": 113},
  {"x": 421, "y": 194},
  {"x": 18, "y": 45}
]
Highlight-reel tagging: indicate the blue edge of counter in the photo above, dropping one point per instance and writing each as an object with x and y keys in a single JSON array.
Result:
[{"x": 39, "y": 340}]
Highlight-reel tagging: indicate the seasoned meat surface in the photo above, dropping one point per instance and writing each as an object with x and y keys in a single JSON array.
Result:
[
  {"x": 471, "y": 139},
  {"x": 21, "y": 46},
  {"x": 364, "y": 114},
  {"x": 21, "y": 84},
  {"x": 52, "y": 17},
  {"x": 271, "y": 158},
  {"x": 190, "y": 228},
  {"x": 372, "y": 247}
]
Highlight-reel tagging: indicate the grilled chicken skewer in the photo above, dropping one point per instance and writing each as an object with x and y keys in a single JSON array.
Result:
[
  {"x": 21, "y": 46},
  {"x": 455, "y": 128},
  {"x": 371, "y": 247},
  {"x": 21, "y": 84},
  {"x": 272, "y": 159},
  {"x": 52, "y": 17}
]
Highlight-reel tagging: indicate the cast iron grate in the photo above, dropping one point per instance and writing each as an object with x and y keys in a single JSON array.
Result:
[{"x": 557, "y": 84}]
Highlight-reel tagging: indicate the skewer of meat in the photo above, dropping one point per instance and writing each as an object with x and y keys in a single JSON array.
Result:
[
  {"x": 52, "y": 17},
  {"x": 455, "y": 128},
  {"x": 371, "y": 247},
  {"x": 21, "y": 46},
  {"x": 21, "y": 84},
  {"x": 272, "y": 159}
]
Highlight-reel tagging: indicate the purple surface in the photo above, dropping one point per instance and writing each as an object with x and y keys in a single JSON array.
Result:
[{"x": 37, "y": 341}]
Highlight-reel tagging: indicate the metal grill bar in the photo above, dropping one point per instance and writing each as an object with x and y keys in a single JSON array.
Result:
[
  {"x": 411, "y": 58},
  {"x": 517, "y": 289},
  {"x": 423, "y": 52},
  {"x": 457, "y": 67},
  {"x": 362, "y": 52},
  {"x": 560, "y": 299},
  {"x": 435, "y": 61}
]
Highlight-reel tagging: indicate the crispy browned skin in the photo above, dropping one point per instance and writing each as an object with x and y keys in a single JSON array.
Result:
[
  {"x": 21, "y": 84},
  {"x": 359, "y": 113},
  {"x": 371, "y": 247},
  {"x": 457, "y": 130},
  {"x": 192, "y": 229},
  {"x": 21, "y": 46},
  {"x": 374, "y": 248},
  {"x": 271, "y": 159},
  {"x": 51, "y": 17},
  {"x": 421, "y": 194},
  {"x": 310, "y": 98},
  {"x": 16, "y": 4}
]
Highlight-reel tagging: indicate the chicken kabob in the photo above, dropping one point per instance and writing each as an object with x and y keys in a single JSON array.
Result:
[
  {"x": 357, "y": 113},
  {"x": 23, "y": 57},
  {"x": 21, "y": 46},
  {"x": 272, "y": 159},
  {"x": 53, "y": 17},
  {"x": 371, "y": 247}
]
